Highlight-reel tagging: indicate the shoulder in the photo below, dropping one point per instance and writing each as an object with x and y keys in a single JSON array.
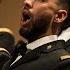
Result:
[{"x": 4, "y": 57}]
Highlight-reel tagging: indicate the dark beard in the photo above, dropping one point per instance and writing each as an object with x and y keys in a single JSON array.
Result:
[{"x": 39, "y": 28}]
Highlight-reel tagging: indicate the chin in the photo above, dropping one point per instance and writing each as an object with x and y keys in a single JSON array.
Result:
[
  {"x": 25, "y": 34},
  {"x": 29, "y": 35}
]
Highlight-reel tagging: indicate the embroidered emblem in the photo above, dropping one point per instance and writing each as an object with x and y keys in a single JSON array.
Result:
[{"x": 49, "y": 47}]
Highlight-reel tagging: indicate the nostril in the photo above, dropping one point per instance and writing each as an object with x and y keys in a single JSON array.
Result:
[{"x": 27, "y": 6}]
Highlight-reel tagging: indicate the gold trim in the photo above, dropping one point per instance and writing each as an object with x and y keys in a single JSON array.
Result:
[
  {"x": 6, "y": 30},
  {"x": 2, "y": 49},
  {"x": 65, "y": 57}
]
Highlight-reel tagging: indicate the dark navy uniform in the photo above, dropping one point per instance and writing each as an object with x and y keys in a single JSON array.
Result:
[
  {"x": 4, "y": 57},
  {"x": 51, "y": 56},
  {"x": 6, "y": 45}
]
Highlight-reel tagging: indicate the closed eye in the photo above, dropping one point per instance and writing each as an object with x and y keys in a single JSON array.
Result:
[{"x": 43, "y": 0}]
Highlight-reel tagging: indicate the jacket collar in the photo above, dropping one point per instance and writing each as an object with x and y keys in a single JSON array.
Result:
[
  {"x": 65, "y": 35},
  {"x": 42, "y": 41},
  {"x": 35, "y": 54}
]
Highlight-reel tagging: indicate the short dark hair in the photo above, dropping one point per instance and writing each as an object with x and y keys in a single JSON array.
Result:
[{"x": 66, "y": 5}]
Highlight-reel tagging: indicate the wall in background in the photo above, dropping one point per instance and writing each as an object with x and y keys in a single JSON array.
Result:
[{"x": 10, "y": 11}]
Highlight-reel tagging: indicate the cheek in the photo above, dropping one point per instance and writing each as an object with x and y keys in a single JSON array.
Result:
[
  {"x": 42, "y": 12},
  {"x": 40, "y": 8},
  {"x": 41, "y": 22},
  {"x": 42, "y": 16}
]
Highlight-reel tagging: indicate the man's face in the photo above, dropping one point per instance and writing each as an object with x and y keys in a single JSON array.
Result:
[{"x": 36, "y": 17}]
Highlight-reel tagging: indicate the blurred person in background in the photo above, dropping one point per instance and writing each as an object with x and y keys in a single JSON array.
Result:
[{"x": 6, "y": 45}]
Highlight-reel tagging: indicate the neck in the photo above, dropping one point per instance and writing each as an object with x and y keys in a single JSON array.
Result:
[
  {"x": 49, "y": 31},
  {"x": 53, "y": 29}
]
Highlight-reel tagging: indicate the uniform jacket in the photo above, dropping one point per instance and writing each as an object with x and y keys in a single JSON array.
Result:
[
  {"x": 4, "y": 57},
  {"x": 51, "y": 56}
]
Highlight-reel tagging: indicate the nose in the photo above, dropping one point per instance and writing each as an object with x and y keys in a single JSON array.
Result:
[{"x": 28, "y": 4}]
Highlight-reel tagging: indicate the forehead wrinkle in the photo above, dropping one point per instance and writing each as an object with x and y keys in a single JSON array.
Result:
[
  {"x": 53, "y": 0},
  {"x": 54, "y": 4},
  {"x": 41, "y": 0}
]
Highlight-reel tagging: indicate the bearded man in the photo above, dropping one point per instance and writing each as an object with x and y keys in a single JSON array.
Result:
[{"x": 42, "y": 25}]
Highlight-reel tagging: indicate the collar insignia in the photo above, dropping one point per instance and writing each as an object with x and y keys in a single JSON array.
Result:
[{"x": 65, "y": 57}]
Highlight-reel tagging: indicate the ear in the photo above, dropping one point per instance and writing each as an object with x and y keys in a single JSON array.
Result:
[{"x": 60, "y": 16}]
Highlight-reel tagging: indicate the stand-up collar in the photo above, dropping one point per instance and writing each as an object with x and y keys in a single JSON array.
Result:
[
  {"x": 42, "y": 41},
  {"x": 65, "y": 35}
]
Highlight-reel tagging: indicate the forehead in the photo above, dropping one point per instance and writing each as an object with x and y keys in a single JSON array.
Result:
[
  {"x": 53, "y": 1},
  {"x": 46, "y": 0},
  {"x": 41, "y": 0}
]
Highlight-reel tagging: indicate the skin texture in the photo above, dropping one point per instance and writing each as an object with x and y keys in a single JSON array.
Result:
[{"x": 41, "y": 18}]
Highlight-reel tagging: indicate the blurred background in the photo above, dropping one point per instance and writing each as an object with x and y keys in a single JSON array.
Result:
[{"x": 10, "y": 12}]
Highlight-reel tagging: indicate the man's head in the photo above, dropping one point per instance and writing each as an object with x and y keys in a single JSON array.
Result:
[{"x": 43, "y": 17}]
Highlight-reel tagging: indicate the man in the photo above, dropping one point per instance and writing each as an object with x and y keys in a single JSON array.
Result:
[{"x": 41, "y": 24}]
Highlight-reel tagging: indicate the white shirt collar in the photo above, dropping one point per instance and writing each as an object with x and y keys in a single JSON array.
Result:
[
  {"x": 42, "y": 41},
  {"x": 65, "y": 35}
]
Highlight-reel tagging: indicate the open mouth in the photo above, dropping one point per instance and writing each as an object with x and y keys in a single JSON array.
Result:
[{"x": 26, "y": 16}]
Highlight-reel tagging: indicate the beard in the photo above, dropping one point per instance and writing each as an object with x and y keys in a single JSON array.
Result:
[{"x": 39, "y": 27}]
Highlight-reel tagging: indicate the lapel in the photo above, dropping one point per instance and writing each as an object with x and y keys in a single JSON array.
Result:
[
  {"x": 67, "y": 43},
  {"x": 35, "y": 54},
  {"x": 30, "y": 56}
]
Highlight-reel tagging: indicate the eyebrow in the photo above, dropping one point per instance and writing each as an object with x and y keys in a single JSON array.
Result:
[
  {"x": 42, "y": 0},
  {"x": 45, "y": 0}
]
